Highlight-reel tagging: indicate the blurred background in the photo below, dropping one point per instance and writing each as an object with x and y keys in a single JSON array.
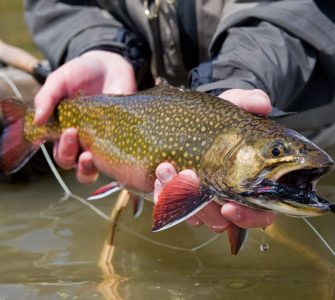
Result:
[{"x": 13, "y": 28}]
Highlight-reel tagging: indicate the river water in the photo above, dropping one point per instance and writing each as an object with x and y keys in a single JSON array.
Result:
[{"x": 56, "y": 248}]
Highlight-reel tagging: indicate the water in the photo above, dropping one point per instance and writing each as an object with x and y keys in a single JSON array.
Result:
[{"x": 56, "y": 249}]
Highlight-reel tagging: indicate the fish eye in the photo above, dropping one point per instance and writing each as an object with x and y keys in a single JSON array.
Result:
[{"x": 277, "y": 149}]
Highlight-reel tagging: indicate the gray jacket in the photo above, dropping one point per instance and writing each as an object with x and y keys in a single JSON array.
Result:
[{"x": 286, "y": 48}]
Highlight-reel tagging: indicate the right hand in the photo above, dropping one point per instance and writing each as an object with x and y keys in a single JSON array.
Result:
[
  {"x": 95, "y": 72},
  {"x": 214, "y": 216}
]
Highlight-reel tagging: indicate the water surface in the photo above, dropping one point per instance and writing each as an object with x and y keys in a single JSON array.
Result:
[{"x": 53, "y": 249}]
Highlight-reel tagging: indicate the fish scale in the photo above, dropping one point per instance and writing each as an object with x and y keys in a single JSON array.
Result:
[{"x": 237, "y": 156}]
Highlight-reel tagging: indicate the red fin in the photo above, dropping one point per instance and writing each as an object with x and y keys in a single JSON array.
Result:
[
  {"x": 179, "y": 199},
  {"x": 15, "y": 150},
  {"x": 237, "y": 236},
  {"x": 105, "y": 191},
  {"x": 138, "y": 204}
]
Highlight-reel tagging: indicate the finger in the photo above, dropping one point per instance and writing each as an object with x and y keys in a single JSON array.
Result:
[
  {"x": 48, "y": 96},
  {"x": 255, "y": 101},
  {"x": 194, "y": 221},
  {"x": 77, "y": 75},
  {"x": 246, "y": 217},
  {"x": 67, "y": 150},
  {"x": 164, "y": 172},
  {"x": 86, "y": 170},
  {"x": 212, "y": 217}
]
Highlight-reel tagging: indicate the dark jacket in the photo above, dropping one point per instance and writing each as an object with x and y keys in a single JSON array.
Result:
[{"x": 286, "y": 48}]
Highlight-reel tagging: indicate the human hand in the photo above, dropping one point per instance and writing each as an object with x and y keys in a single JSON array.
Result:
[
  {"x": 217, "y": 217},
  {"x": 92, "y": 73}
]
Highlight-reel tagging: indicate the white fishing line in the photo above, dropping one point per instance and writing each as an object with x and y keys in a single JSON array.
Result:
[
  {"x": 60, "y": 180},
  {"x": 11, "y": 84},
  {"x": 65, "y": 188},
  {"x": 320, "y": 237}
]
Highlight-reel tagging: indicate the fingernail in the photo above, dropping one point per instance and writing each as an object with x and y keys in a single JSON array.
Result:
[
  {"x": 88, "y": 165},
  {"x": 194, "y": 222},
  {"x": 38, "y": 114},
  {"x": 70, "y": 140},
  {"x": 166, "y": 175},
  {"x": 231, "y": 213},
  {"x": 219, "y": 228},
  {"x": 256, "y": 97}
]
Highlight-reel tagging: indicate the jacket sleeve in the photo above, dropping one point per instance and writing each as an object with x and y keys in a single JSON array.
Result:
[
  {"x": 63, "y": 30},
  {"x": 276, "y": 47}
]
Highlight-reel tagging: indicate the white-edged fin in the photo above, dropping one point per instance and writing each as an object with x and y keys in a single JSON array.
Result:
[
  {"x": 105, "y": 191},
  {"x": 138, "y": 207},
  {"x": 180, "y": 198},
  {"x": 177, "y": 221}
]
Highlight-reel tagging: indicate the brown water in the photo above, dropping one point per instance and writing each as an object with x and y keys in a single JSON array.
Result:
[
  {"x": 51, "y": 248},
  {"x": 55, "y": 249}
]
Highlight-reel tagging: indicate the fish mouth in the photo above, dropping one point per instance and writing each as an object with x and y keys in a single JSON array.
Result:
[
  {"x": 302, "y": 179},
  {"x": 292, "y": 193}
]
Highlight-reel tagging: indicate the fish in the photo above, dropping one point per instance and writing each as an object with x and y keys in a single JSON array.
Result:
[{"x": 238, "y": 156}]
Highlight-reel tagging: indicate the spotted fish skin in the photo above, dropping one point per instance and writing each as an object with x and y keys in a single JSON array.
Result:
[
  {"x": 130, "y": 135},
  {"x": 139, "y": 131}
]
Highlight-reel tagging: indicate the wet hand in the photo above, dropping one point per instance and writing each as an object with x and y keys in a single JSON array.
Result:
[
  {"x": 213, "y": 215},
  {"x": 94, "y": 72}
]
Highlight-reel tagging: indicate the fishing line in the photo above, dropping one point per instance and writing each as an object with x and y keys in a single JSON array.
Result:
[
  {"x": 68, "y": 193},
  {"x": 11, "y": 84},
  {"x": 320, "y": 236}
]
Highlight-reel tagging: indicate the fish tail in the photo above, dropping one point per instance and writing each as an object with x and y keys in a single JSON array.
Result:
[{"x": 15, "y": 149}]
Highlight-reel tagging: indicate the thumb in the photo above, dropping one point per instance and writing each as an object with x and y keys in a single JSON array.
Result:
[{"x": 254, "y": 101}]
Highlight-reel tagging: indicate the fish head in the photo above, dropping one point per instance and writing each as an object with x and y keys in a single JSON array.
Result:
[{"x": 273, "y": 168}]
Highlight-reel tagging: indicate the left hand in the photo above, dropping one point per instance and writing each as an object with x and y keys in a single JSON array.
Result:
[{"x": 94, "y": 72}]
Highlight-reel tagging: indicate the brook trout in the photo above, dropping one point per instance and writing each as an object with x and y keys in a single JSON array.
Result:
[{"x": 237, "y": 156}]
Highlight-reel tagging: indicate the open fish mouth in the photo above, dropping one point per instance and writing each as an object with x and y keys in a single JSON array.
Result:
[{"x": 293, "y": 193}]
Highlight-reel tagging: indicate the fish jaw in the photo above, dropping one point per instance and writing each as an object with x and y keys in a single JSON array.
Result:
[
  {"x": 287, "y": 207},
  {"x": 292, "y": 192},
  {"x": 288, "y": 187}
]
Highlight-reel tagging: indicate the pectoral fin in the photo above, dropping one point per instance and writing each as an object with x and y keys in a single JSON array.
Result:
[
  {"x": 180, "y": 199},
  {"x": 237, "y": 237},
  {"x": 105, "y": 191}
]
